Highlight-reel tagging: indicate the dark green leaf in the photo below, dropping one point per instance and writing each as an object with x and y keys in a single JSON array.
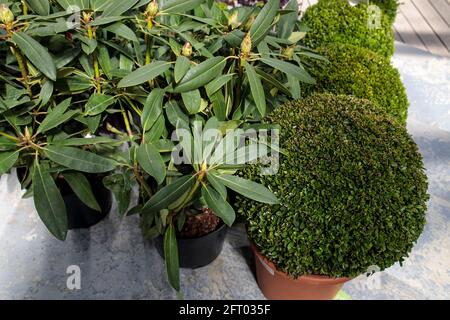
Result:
[
  {"x": 218, "y": 205},
  {"x": 123, "y": 31},
  {"x": 192, "y": 101},
  {"x": 98, "y": 103},
  {"x": 7, "y": 160},
  {"x": 169, "y": 194},
  {"x": 49, "y": 203},
  {"x": 82, "y": 188},
  {"x": 201, "y": 74},
  {"x": 180, "y": 6},
  {"x": 249, "y": 189},
  {"x": 145, "y": 73},
  {"x": 181, "y": 67},
  {"x": 289, "y": 68},
  {"x": 287, "y": 22},
  {"x": 36, "y": 53},
  {"x": 258, "y": 94},
  {"x": 263, "y": 21},
  {"x": 41, "y": 7},
  {"x": 171, "y": 257},
  {"x": 79, "y": 160},
  {"x": 152, "y": 108},
  {"x": 151, "y": 161}
]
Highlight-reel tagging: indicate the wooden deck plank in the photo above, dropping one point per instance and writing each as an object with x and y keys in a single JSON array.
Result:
[
  {"x": 443, "y": 8},
  {"x": 422, "y": 28},
  {"x": 433, "y": 18},
  {"x": 407, "y": 32}
]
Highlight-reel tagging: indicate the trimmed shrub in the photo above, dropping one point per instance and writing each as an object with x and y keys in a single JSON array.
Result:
[
  {"x": 337, "y": 21},
  {"x": 351, "y": 186},
  {"x": 362, "y": 73},
  {"x": 389, "y": 7}
]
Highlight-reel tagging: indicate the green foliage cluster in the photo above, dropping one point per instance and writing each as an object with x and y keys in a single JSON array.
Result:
[
  {"x": 360, "y": 72},
  {"x": 351, "y": 186},
  {"x": 337, "y": 21},
  {"x": 389, "y": 7}
]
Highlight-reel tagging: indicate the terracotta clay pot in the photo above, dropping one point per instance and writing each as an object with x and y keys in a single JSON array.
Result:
[{"x": 277, "y": 285}]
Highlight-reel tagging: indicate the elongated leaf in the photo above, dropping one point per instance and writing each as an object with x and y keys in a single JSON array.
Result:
[
  {"x": 98, "y": 103},
  {"x": 258, "y": 94},
  {"x": 218, "y": 205},
  {"x": 79, "y": 160},
  {"x": 7, "y": 160},
  {"x": 289, "y": 68},
  {"x": 152, "y": 108},
  {"x": 36, "y": 53},
  {"x": 173, "y": 6},
  {"x": 81, "y": 4},
  {"x": 54, "y": 119},
  {"x": 117, "y": 7},
  {"x": 263, "y": 21},
  {"x": 249, "y": 189},
  {"x": 123, "y": 31},
  {"x": 84, "y": 141},
  {"x": 41, "y": 7},
  {"x": 273, "y": 81},
  {"x": 287, "y": 22},
  {"x": 167, "y": 195},
  {"x": 201, "y": 74},
  {"x": 151, "y": 161},
  {"x": 144, "y": 74},
  {"x": 192, "y": 101},
  {"x": 120, "y": 185},
  {"x": 218, "y": 83},
  {"x": 82, "y": 188},
  {"x": 46, "y": 92},
  {"x": 217, "y": 185},
  {"x": 105, "y": 20},
  {"x": 181, "y": 67},
  {"x": 171, "y": 257},
  {"x": 49, "y": 203}
]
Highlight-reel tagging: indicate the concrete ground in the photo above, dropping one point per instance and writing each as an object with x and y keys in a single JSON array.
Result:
[{"x": 116, "y": 263}]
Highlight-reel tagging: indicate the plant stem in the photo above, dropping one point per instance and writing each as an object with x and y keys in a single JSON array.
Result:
[
  {"x": 149, "y": 45},
  {"x": 91, "y": 36},
  {"x": 127, "y": 122},
  {"x": 143, "y": 183},
  {"x": 23, "y": 69},
  {"x": 133, "y": 106},
  {"x": 9, "y": 136}
]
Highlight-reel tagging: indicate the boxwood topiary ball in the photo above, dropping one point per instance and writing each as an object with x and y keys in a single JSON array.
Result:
[
  {"x": 351, "y": 185},
  {"x": 360, "y": 72},
  {"x": 337, "y": 21}
]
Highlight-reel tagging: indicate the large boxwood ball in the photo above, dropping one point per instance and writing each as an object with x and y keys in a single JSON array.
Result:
[
  {"x": 337, "y": 21},
  {"x": 388, "y": 7},
  {"x": 360, "y": 72},
  {"x": 351, "y": 185}
]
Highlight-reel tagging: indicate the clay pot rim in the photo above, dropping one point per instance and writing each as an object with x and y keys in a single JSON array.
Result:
[{"x": 309, "y": 278}]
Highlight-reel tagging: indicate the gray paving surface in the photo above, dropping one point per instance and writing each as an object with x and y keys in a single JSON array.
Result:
[{"x": 116, "y": 263}]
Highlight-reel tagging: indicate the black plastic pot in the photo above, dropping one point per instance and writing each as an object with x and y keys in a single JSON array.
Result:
[
  {"x": 197, "y": 252},
  {"x": 79, "y": 215}
]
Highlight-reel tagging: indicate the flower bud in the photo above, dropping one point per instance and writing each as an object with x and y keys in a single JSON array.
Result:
[
  {"x": 249, "y": 23},
  {"x": 152, "y": 8},
  {"x": 288, "y": 52},
  {"x": 6, "y": 15},
  {"x": 187, "y": 50},
  {"x": 233, "y": 20},
  {"x": 246, "y": 45}
]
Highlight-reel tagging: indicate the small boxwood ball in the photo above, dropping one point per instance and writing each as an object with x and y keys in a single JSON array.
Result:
[
  {"x": 360, "y": 72},
  {"x": 337, "y": 21},
  {"x": 351, "y": 185}
]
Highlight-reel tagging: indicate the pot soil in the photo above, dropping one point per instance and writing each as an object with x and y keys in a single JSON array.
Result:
[
  {"x": 277, "y": 285},
  {"x": 79, "y": 215},
  {"x": 199, "y": 242}
]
